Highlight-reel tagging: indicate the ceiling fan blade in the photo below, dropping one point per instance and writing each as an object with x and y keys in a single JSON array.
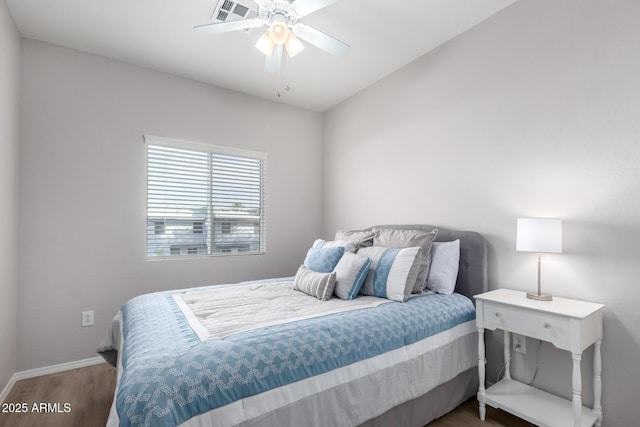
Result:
[
  {"x": 320, "y": 40},
  {"x": 223, "y": 27},
  {"x": 305, "y": 7},
  {"x": 273, "y": 62}
]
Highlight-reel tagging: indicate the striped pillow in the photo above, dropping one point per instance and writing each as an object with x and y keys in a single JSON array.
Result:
[
  {"x": 392, "y": 273},
  {"x": 319, "y": 285}
]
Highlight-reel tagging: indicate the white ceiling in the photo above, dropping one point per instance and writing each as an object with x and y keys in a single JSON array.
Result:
[{"x": 384, "y": 36}]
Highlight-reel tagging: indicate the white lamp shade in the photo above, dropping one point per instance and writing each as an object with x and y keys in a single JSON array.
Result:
[
  {"x": 265, "y": 45},
  {"x": 539, "y": 235},
  {"x": 293, "y": 45}
]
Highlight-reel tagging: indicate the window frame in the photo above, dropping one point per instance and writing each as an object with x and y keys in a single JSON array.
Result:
[{"x": 208, "y": 222}]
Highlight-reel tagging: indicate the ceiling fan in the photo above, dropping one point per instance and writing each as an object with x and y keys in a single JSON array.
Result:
[{"x": 284, "y": 31}]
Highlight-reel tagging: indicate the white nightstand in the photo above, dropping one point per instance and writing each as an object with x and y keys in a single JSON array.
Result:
[{"x": 569, "y": 325}]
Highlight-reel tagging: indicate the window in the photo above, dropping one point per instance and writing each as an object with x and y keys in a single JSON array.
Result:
[
  {"x": 225, "y": 228},
  {"x": 198, "y": 227},
  {"x": 203, "y": 200},
  {"x": 159, "y": 227}
]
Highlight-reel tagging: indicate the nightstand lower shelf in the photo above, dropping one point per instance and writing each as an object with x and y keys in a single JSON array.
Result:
[{"x": 535, "y": 406}]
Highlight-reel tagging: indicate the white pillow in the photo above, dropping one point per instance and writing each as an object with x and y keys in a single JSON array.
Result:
[
  {"x": 443, "y": 272},
  {"x": 350, "y": 272},
  {"x": 392, "y": 273}
]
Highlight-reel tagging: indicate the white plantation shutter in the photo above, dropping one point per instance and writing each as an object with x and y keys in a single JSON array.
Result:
[{"x": 203, "y": 199}]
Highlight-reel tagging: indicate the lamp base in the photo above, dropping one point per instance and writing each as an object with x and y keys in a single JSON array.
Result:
[{"x": 539, "y": 297}]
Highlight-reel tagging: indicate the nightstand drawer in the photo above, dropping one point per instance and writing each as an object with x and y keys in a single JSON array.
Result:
[{"x": 544, "y": 326}]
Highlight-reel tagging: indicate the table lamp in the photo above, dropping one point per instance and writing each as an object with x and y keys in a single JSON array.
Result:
[{"x": 540, "y": 235}]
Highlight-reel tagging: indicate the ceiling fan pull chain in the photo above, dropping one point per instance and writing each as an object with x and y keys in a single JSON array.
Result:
[
  {"x": 279, "y": 78},
  {"x": 287, "y": 86}
]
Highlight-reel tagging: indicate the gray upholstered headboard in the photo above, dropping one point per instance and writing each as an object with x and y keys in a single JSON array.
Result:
[{"x": 472, "y": 273}]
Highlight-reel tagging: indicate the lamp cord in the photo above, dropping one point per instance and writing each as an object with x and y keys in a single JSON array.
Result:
[{"x": 535, "y": 373}]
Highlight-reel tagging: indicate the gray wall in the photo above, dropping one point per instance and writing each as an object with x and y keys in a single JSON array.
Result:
[
  {"x": 83, "y": 190},
  {"x": 534, "y": 112},
  {"x": 9, "y": 127}
]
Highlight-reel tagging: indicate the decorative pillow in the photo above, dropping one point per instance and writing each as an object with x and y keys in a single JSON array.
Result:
[
  {"x": 348, "y": 245},
  {"x": 392, "y": 272},
  {"x": 392, "y": 238},
  {"x": 364, "y": 237},
  {"x": 444, "y": 267},
  {"x": 350, "y": 272},
  {"x": 319, "y": 285},
  {"x": 323, "y": 260}
]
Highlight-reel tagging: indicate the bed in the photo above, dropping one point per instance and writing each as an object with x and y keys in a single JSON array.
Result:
[{"x": 382, "y": 363}]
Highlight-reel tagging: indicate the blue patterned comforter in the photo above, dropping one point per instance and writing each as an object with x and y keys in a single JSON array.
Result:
[{"x": 169, "y": 375}]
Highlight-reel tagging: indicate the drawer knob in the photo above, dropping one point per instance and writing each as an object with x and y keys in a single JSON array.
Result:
[
  {"x": 498, "y": 314},
  {"x": 547, "y": 325}
]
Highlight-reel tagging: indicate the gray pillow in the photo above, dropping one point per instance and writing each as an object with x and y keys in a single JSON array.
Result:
[
  {"x": 348, "y": 245},
  {"x": 319, "y": 285},
  {"x": 364, "y": 237},
  {"x": 392, "y": 238},
  {"x": 350, "y": 272}
]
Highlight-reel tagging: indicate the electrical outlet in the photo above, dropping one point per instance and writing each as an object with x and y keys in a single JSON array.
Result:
[
  {"x": 87, "y": 318},
  {"x": 519, "y": 343}
]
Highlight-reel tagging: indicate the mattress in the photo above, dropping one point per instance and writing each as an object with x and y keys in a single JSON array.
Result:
[{"x": 339, "y": 369}]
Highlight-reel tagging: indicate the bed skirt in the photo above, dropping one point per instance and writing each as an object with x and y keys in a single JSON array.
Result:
[{"x": 438, "y": 402}]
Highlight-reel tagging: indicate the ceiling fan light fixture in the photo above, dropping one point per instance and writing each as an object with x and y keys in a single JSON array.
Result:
[
  {"x": 265, "y": 44},
  {"x": 279, "y": 32},
  {"x": 284, "y": 29},
  {"x": 293, "y": 45}
]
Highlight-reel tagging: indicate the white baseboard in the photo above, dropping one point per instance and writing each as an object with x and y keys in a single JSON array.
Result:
[
  {"x": 31, "y": 373},
  {"x": 7, "y": 388}
]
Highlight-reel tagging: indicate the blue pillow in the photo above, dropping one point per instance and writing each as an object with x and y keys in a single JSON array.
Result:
[{"x": 323, "y": 260}]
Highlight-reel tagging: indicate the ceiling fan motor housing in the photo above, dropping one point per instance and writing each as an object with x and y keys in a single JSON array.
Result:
[{"x": 277, "y": 11}]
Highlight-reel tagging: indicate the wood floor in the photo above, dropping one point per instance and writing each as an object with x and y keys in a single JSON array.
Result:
[
  {"x": 466, "y": 415},
  {"x": 89, "y": 393}
]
